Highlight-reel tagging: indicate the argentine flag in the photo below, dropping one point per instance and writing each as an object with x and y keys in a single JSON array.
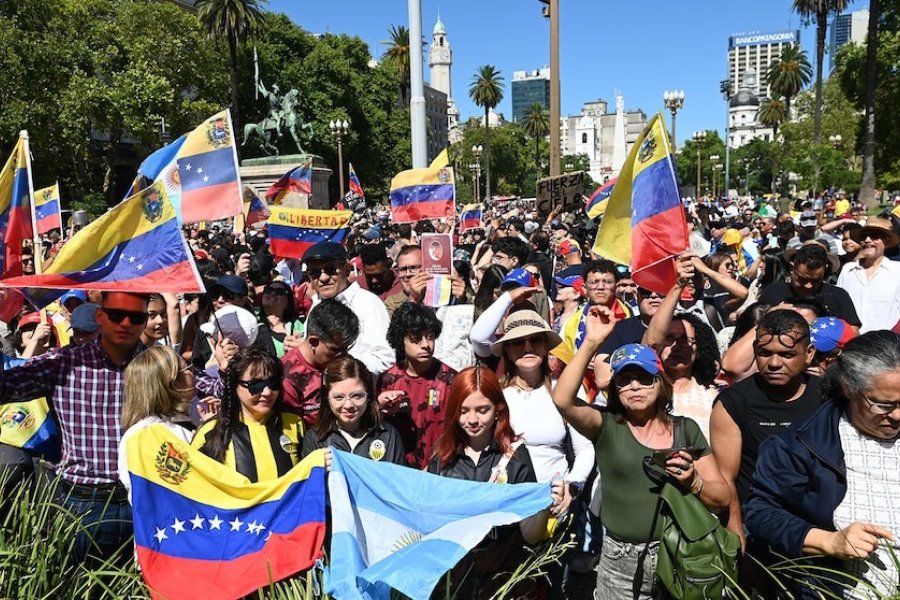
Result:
[{"x": 396, "y": 527}]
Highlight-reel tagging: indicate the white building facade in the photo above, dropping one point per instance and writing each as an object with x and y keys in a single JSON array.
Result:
[{"x": 756, "y": 51}]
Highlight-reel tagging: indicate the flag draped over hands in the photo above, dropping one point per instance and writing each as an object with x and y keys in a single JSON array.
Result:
[
  {"x": 15, "y": 222},
  {"x": 202, "y": 530},
  {"x": 395, "y": 527},
  {"x": 135, "y": 247},
  {"x": 645, "y": 225},
  {"x": 46, "y": 209},
  {"x": 293, "y": 230},
  {"x": 419, "y": 194}
]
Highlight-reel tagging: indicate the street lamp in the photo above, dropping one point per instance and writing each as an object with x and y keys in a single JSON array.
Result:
[
  {"x": 716, "y": 170},
  {"x": 339, "y": 129},
  {"x": 674, "y": 100},
  {"x": 699, "y": 138},
  {"x": 477, "y": 150},
  {"x": 836, "y": 140},
  {"x": 714, "y": 159},
  {"x": 164, "y": 136}
]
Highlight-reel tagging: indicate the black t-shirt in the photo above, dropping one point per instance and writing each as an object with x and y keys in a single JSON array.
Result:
[
  {"x": 626, "y": 331},
  {"x": 758, "y": 417},
  {"x": 836, "y": 299}
]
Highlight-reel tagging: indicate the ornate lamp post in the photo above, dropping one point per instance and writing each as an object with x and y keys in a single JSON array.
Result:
[
  {"x": 699, "y": 138},
  {"x": 836, "y": 140},
  {"x": 477, "y": 150},
  {"x": 718, "y": 168},
  {"x": 674, "y": 100},
  {"x": 714, "y": 159},
  {"x": 339, "y": 129}
]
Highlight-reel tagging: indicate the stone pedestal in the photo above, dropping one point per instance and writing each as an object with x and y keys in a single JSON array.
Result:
[{"x": 260, "y": 173}]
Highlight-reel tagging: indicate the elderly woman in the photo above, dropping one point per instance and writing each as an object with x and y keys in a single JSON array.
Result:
[{"x": 830, "y": 485}]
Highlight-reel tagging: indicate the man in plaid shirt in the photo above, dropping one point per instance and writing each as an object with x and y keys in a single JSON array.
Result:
[{"x": 84, "y": 385}]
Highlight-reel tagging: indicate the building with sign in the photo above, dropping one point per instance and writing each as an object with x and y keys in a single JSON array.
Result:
[
  {"x": 846, "y": 28},
  {"x": 529, "y": 87},
  {"x": 756, "y": 51}
]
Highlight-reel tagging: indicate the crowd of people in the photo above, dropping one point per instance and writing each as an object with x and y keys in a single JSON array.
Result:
[{"x": 769, "y": 373}]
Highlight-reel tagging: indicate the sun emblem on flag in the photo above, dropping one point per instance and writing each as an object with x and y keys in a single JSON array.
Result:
[
  {"x": 172, "y": 464},
  {"x": 151, "y": 202},
  {"x": 407, "y": 539},
  {"x": 648, "y": 148},
  {"x": 217, "y": 132}
]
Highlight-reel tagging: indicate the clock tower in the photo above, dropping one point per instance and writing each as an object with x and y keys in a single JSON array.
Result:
[{"x": 440, "y": 59}]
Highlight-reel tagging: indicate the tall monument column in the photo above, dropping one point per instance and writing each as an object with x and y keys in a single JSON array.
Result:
[{"x": 619, "y": 153}]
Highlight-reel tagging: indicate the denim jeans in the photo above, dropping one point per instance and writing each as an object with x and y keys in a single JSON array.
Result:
[
  {"x": 106, "y": 525},
  {"x": 618, "y": 569}
]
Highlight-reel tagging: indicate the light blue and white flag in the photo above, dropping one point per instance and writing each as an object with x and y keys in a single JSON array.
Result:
[
  {"x": 162, "y": 166},
  {"x": 396, "y": 527}
]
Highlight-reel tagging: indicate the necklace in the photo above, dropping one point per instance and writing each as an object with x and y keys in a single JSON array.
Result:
[{"x": 647, "y": 440}]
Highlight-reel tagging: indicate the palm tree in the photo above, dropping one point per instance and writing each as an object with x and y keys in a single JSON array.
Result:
[
  {"x": 772, "y": 113},
  {"x": 486, "y": 90},
  {"x": 536, "y": 123},
  {"x": 233, "y": 21},
  {"x": 398, "y": 54},
  {"x": 789, "y": 73},
  {"x": 867, "y": 185},
  {"x": 818, "y": 11}
]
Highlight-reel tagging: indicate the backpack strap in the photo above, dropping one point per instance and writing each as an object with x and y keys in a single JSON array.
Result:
[{"x": 500, "y": 467}]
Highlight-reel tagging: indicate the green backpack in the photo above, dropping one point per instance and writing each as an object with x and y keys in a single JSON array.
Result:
[{"x": 697, "y": 557}]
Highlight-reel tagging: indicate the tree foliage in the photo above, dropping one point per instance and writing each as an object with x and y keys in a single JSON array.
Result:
[{"x": 789, "y": 73}]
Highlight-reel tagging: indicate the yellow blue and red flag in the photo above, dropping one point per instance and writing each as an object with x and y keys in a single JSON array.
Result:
[
  {"x": 645, "y": 224},
  {"x": 202, "y": 530},
  {"x": 15, "y": 220},
  {"x": 471, "y": 218},
  {"x": 47, "y": 209},
  {"x": 135, "y": 247},
  {"x": 256, "y": 209},
  {"x": 441, "y": 160},
  {"x": 30, "y": 426},
  {"x": 419, "y": 194},
  {"x": 597, "y": 202},
  {"x": 355, "y": 185},
  {"x": 293, "y": 230},
  {"x": 199, "y": 171},
  {"x": 296, "y": 181}
]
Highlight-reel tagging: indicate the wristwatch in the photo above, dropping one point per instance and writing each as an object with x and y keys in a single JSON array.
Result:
[{"x": 575, "y": 489}]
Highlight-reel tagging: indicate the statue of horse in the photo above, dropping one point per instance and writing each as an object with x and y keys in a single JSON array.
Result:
[{"x": 272, "y": 127}]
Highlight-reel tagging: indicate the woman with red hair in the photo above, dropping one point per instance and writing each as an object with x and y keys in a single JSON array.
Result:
[{"x": 477, "y": 443}]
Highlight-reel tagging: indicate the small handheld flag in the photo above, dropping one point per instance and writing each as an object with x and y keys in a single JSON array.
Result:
[
  {"x": 47, "y": 209},
  {"x": 296, "y": 181},
  {"x": 15, "y": 220},
  {"x": 471, "y": 218},
  {"x": 256, "y": 209}
]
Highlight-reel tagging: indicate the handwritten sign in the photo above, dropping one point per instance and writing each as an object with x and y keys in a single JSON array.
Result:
[{"x": 564, "y": 191}]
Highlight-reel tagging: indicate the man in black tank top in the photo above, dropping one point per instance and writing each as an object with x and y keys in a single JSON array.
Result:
[{"x": 763, "y": 404}]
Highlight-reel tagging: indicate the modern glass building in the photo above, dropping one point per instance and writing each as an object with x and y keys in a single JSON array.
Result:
[{"x": 529, "y": 87}]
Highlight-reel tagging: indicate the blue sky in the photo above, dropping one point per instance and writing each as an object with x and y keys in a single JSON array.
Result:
[{"x": 641, "y": 47}]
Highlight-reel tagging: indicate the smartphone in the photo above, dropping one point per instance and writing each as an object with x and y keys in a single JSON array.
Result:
[{"x": 661, "y": 456}]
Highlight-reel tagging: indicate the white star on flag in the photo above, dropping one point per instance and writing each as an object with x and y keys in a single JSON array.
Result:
[
  {"x": 236, "y": 524},
  {"x": 187, "y": 167},
  {"x": 215, "y": 522},
  {"x": 205, "y": 178},
  {"x": 178, "y": 526},
  {"x": 140, "y": 267},
  {"x": 131, "y": 259},
  {"x": 197, "y": 522},
  {"x": 199, "y": 170},
  {"x": 160, "y": 535}
]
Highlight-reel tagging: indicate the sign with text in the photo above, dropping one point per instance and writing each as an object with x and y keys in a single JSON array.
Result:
[{"x": 564, "y": 191}]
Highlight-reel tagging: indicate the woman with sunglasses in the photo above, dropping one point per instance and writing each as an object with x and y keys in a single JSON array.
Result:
[
  {"x": 477, "y": 443},
  {"x": 636, "y": 424},
  {"x": 281, "y": 315},
  {"x": 251, "y": 433},
  {"x": 352, "y": 420}
]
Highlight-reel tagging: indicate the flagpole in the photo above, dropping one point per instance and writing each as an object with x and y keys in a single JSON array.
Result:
[{"x": 35, "y": 238}]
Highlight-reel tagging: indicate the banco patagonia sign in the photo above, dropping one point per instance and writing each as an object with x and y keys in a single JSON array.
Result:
[{"x": 753, "y": 39}]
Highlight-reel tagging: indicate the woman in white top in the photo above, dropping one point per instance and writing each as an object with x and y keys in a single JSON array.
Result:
[{"x": 158, "y": 387}]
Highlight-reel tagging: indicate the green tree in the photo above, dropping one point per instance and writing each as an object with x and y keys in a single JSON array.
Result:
[
  {"x": 686, "y": 161},
  {"x": 754, "y": 162},
  {"x": 398, "y": 54},
  {"x": 486, "y": 91},
  {"x": 867, "y": 186},
  {"x": 789, "y": 74},
  {"x": 536, "y": 123},
  {"x": 232, "y": 21},
  {"x": 511, "y": 159},
  {"x": 818, "y": 12},
  {"x": 772, "y": 113}
]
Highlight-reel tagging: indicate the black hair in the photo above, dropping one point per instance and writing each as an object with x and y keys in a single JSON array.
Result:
[
  {"x": 372, "y": 254},
  {"x": 490, "y": 281},
  {"x": 414, "y": 320},
  {"x": 261, "y": 269},
  {"x": 748, "y": 320},
  {"x": 333, "y": 322},
  {"x": 706, "y": 365},
  {"x": 601, "y": 265},
  {"x": 403, "y": 230},
  {"x": 407, "y": 249},
  {"x": 540, "y": 240},
  {"x": 229, "y": 417},
  {"x": 204, "y": 267},
  {"x": 815, "y": 304},
  {"x": 775, "y": 269},
  {"x": 813, "y": 256},
  {"x": 513, "y": 247},
  {"x": 291, "y": 311},
  {"x": 784, "y": 321}
]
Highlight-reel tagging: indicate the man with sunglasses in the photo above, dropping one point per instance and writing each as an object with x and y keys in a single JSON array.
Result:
[
  {"x": 84, "y": 385},
  {"x": 328, "y": 272},
  {"x": 378, "y": 277},
  {"x": 747, "y": 413}
]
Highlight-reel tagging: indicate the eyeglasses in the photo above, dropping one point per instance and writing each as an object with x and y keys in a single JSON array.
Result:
[
  {"x": 256, "y": 386},
  {"x": 276, "y": 291},
  {"x": 785, "y": 339},
  {"x": 535, "y": 340},
  {"x": 498, "y": 258},
  {"x": 644, "y": 379},
  {"x": 670, "y": 340},
  {"x": 881, "y": 408},
  {"x": 117, "y": 315},
  {"x": 601, "y": 284},
  {"x": 355, "y": 398},
  {"x": 409, "y": 269},
  {"x": 315, "y": 273}
]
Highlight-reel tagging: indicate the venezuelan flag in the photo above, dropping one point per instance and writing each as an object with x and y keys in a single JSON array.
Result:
[
  {"x": 135, "y": 247},
  {"x": 645, "y": 225},
  {"x": 30, "y": 426},
  {"x": 355, "y": 185},
  {"x": 293, "y": 230},
  {"x": 295, "y": 181},
  {"x": 441, "y": 160},
  {"x": 256, "y": 209},
  {"x": 573, "y": 330},
  {"x": 208, "y": 171},
  {"x": 47, "y": 209},
  {"x": 596, "y": 204},
  {"x": 471, "y": 218},
  {"x": 202, "y": 530},
  {"x": 15, "y": 220},
  {"x": 419, "y": 194}
]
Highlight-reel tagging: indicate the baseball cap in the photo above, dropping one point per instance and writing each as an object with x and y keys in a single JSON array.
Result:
[
  {"x": 325, "y": 251},
  {"x": 557, "y": 224},
  {"x": 635, "y": 355},
  {"x": 84, "y": 318},
  {"x": 73, "y": 295},
  {"x": 372, "y": 234},
  {"x": 518, "y": 278},
  {"x": 828, "y": 333},
  {"x": 572, "y": 281},
  {"x": 808, "y": 219},
  {"x": 567, "y": 247},
  {"x": 232, "y": 283}
]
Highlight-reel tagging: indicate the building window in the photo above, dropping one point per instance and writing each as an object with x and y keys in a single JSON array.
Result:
[
  {"x": 440, "y": 41},
  {"x": 584, "y": 138}
]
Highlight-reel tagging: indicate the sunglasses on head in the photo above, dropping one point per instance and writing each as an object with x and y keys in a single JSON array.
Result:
[
  {"x": 256, "y": 386},
  {"x": 316, "y": 272},
  {"x": 117, "y": 315}
]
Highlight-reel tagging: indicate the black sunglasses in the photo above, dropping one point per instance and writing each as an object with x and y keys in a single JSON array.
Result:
[
  {"x": 117, "y": 315},
  {"x": 277, "y": 291},
  {"x": 648, "y": 293},
  {"x": 219, "y": 292},
  {"x": 644, "y": 379},
  {"x": 256, "y": 386},
  {"x": 315, "y": 273}
]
